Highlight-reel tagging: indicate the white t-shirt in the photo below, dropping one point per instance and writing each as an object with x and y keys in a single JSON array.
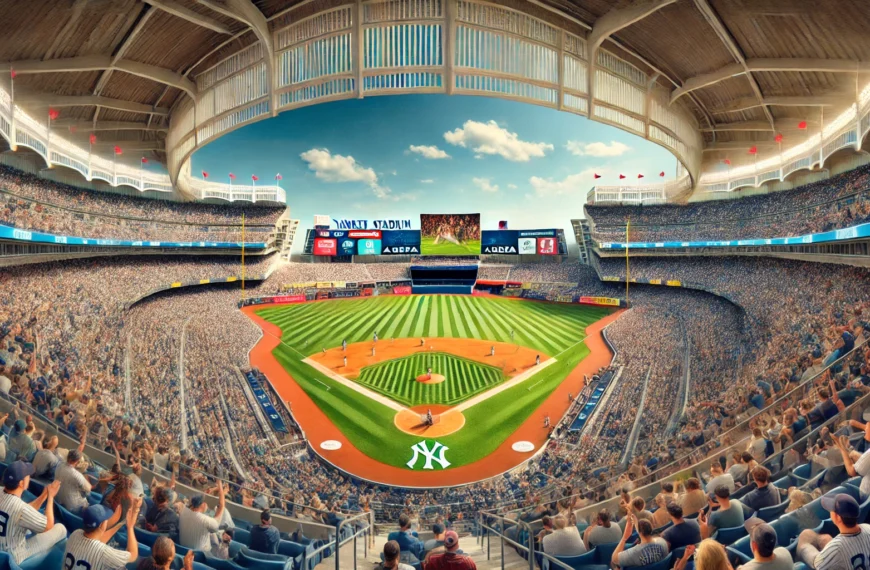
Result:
[
  {"x": 83, "y": 552},
  {"x": 862, "y": 467},
  {"x": 724, "y": 480},
  {"x": 5, "y": 384},
  {"x": 194, "y": 529}
]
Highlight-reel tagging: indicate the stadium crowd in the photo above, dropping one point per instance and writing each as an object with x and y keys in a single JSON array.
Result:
[
  {"x": 28, "y": 202},
  {"x": 838, "y": 202}
]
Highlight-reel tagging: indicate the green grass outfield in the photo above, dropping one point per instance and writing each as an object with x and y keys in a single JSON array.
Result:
[
  {"x": 397, "y": 379},
  {"x": 429, "y": 247},
  {"x": 553, "y": 329}
]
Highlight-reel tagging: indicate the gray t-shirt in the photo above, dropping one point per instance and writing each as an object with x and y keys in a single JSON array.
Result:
[
  {"x": 602, "y": 535},
  {"x": 643, "y": 554},
  {"x": 782, "y": 561},
  {"x": 730, "y": 518}
]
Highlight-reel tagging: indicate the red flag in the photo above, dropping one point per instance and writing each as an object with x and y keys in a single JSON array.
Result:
[
  {"x": 802, "y": 125},
  {"x": 254, "y": 177},
  {"x": 144, "y": 160},
  {"x": 118, "y": 150},
  {"x": 596, "y": 176},
  {"x": 639, "y": 176},
  {"x": 621, "y": 176},
  {"x": 12, "y": 73},
  {"x": 53, "y": 114},
  {"x": 93, "y": 138},
  {"x": 204, "y": 174},
  {"x": 232, "y": 176},
  {"x": 279, "y": 177},
  {"x": 753, "y": 150},
  {"x": 662, "y": 173},
  {"x": 727, "y": 161},
  {"x": 778, "y": 138}
]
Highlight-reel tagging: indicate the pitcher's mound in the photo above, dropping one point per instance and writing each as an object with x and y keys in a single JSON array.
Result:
[
  {"x": 447, "y": 421},
  {"x": 426, "y": 379}
]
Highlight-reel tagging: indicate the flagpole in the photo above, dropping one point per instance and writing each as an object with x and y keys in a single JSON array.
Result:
[
  {"x": 243, "y": 257},
  {"x": 627, "y": 269}
]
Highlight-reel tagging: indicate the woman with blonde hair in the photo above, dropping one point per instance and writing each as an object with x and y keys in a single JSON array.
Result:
[{"x": 709, "y": 555}]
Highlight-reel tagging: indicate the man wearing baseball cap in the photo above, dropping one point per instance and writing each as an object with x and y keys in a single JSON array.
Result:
[
  {"x": 87, "y": 548},
  {"x": 450, "y": 559},
  {"x": 22, "y": 517},
  {"x": 849, "y": 550},
  {"x": 766, "y": 554}
]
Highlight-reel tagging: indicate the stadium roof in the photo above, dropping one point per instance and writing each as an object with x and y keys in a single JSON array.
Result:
[{"x": 743, "y": 71}]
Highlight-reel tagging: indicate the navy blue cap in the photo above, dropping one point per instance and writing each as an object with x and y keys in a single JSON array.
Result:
[
  {"x": 94, "y": 516},
  {"x": 842, "y": 504},
  {"x": 196, "y": 501},
  {"x": 16, "y": 473}
]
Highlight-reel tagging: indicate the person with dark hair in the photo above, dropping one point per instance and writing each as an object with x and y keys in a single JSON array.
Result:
[
  {"x": 194, "y": 526},
  {"x": 766, "y": 554},
  {"x": 162, "y": 556},
  {"x": 220, "y": 545},
  {"x": 728, "y": 515},
  {"x": 765, "y": 494},
  {"x": 694, "y": 499},
  {"x": 161, "y": 517},
  {"x": 406, "y": 540},
  {"x": 437, "y": 540},
  {"x": 87, "y": 547},
  {"x": 120, "y": 496},
  {"x": 684, "y": 532},
  {"x": 649, "y": 551},
  {"x": 451, "y": 559},
  {"x": 601, "y": 531},
  {"x": 22, "y": 517},
  {"x": 265, "y": 537},
  {"x": 849, "y": 550},
  {"x": 391, "y": 558},
  {"x": 74, "y": 488}
]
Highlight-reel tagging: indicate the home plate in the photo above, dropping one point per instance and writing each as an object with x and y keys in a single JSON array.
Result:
[
  {"x": 330, "y": 445},
  {"x": 523, "y": 446}
]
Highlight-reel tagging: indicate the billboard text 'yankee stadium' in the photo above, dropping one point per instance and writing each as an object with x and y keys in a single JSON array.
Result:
[{"x": 450, "y": 234}]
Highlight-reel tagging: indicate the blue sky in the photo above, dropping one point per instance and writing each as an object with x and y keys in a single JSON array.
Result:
[{"x": 399, "y": 156}]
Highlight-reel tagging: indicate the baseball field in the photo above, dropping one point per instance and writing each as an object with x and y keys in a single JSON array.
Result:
[
  {"x": 429, "y": 247},
  {"x": 485, "y": 348}
]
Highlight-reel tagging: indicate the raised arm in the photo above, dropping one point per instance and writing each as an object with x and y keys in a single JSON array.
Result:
[
  {"x": 626, "y": 534},
  {"x": 222, "y": 501}
]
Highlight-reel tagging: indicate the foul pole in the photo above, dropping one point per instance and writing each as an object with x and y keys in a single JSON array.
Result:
[
  {"x": 627, "y": 269},
  {"x": 243, "y": 257}
]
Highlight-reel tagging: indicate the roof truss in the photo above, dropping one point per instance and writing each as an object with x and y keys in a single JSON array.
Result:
[
  {"x": 49, "y": 99},
  {"x": 180, "y": 11},
  {"x": 77, "y": 125},
  {"x": 786, "y": 101}
]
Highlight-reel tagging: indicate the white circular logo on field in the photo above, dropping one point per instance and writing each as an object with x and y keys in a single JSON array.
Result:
[
  {"x": 523, "y": 446},
  {"x": 330, "y": 445}
]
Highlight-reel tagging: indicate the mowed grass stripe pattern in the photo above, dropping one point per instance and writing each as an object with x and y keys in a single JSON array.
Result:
[
  {"x": 547, "y": 328},
  {"x": 397, "y": 379}
]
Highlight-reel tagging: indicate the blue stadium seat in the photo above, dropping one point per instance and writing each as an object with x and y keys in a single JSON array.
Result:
[
  {"x": 726, "y": 536},
  {"x": 605, "y": 552},
  {"x": 260, "y": 561},
  {"x": 70, "y": 521},
  {"x": 51, "y": 559},
  {"x": 242, "y": 535},
  {"x": 582, "y": 562},
  {"x": 768, "y": 514},
  {"x": 802, "y": 473},
  {"x": 215, "y": 563},
  {"x": 741, "y": 550},
  {"x": 663, "y": 564}
]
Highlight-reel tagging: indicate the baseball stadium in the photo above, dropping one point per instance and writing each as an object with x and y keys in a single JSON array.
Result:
[{"x": 434, "y": 285}]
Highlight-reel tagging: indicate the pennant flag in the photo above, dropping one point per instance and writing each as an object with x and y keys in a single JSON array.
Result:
[
  {"x": 93, "y": 138},
  {"x": 204, "y": 174},
  {"x": 232, "y": 176},
  {"x": 279, "y": 177},
  {"x": 778, "y": 138},
  {"x": 639, "y": 176},
  {"x": 621, "y": 176},
  {"x": 727, "y": 161},
  {"x": 118, "y": 150},
  {"x": 753, "y": 150},
  {"x": 144, "y": 160},
  {"x": 662, "y": 173},
  {"x": 53, "y": 114},
  {"x": 596, "y": 176},
  {"x": 802, "y": 125},
  {"x": 254, "y": 177}
]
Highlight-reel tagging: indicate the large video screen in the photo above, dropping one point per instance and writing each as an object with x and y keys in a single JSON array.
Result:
[{"x": 450, "y": 234}]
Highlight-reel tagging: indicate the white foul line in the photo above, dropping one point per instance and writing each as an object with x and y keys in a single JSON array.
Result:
[{"x": 354, "y": 385}]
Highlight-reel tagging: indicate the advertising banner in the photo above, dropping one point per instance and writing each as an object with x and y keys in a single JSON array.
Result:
[
  {"x": 364, "y": 234},
  {"x": 325, "y": 246},
  {"x": 548, "y": 246},
  {"x": 344, "y": 294},
  {"x": 368, "y": 247},
  {"x": 323, "y": 285},
  {"x": 599, "y": 301},
  {"x": 536, "y": 233},
  {"x": 499, "y": 241},
  {"x": 8, "y": 232},
  {"x": 400, "y": 242},
  {"x": 402, "y": 290},
  {"x": 373, "y": 224},
  {"x": 289, "y": 299},
  {"x": 512, "y": 284},
  {"x": 366, "y": 292},
  {"x": 450, "y": 234},
  {"x": 527, "y": 246},
  {"x": 673, "y": 283},
  {"x": 321, "y": 220}
]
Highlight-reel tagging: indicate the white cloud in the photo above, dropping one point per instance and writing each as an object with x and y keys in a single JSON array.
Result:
[
  {"x": 427, "y": 181},
  {"x": 597, "y": 149},
  {"x": 489, "y": 138},
  {"x": 431, "y": 152},
  {"x": 571, "y": 184},
  {"x": 513, "y": 186},
  {"x": 485, "y": 184},
  {"x": 337, "y": 168}
]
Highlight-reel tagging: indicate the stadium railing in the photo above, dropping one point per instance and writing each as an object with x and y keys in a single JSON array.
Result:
[{"x": 741, "y": 430}]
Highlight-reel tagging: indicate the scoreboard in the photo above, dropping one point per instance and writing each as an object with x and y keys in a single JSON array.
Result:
[
  {"x": 520, "y": 242},
  {"x": 366, "y": 242}
]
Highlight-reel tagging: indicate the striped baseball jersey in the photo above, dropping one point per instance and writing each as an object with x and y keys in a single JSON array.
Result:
[
  {"x": 16, "y": 518},
  {"x": 74, "y": 488},
  {"x": 194, "y": 529},
  {"x": 846, "y": 552},
  {"x": 83, "y": 553}
]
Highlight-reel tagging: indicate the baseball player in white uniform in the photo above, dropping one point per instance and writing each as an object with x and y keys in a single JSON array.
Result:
[
  {"x": 87, "y": 548},
  {"x": 18, "y": 517}
]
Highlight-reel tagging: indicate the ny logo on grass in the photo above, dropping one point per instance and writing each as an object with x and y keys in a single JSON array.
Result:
[{"x": 434, "y": 454}]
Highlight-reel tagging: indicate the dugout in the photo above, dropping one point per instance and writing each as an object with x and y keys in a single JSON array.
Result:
[{"x": 450, "y": 279}]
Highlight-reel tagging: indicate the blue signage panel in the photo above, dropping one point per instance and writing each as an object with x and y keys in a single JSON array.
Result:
[{"x": 7, "y": 232}]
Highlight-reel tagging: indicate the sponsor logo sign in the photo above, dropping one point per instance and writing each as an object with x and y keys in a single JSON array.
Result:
[
  {"x": 364, "y": 234},
  {"x": 346, "y": 246},
  {"x": 527, "y": 246},
  {"x": 429, "y": 455},
  {"x": 500, "y": 249},
  {"x": 548, "y": 246},
  {"x": 535, "y": 233},
  {"x": 368, "y": 247},
  {"x": 325, "y": 246},
  {"x": 398, "y": 249}
]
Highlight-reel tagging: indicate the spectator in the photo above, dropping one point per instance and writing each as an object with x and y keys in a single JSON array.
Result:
[
  {"x": 709, "y": 555},
  {"x": 855, "y": 463},
  {"x": 766, "y": 554},
  {"x": 765, "y": 494},
  {"x": 87, "y": 548},
  {"x": 46, "y": 459},
  {"x": 437, "y": 539},
  {"x": 264, "y": 537},
  {"x": 406, "y": 540},
  {"x": 391, "y": 558},
  {"x": 220, "y": 545},
  {"x": 194, "y": 526},
  {"x": 22, "y": 517},
  {"x": 74, "y": 488},
  {"x": 719, "y": 478},
  {"x": 160, "y": 517},
  {"x": 694, "y": 499},
  {"x": 728, "y": 515},
  {"x": 683, "y": 532},
  {"x": 846, "y": 550},
  {"x": 451, "y": 559},
  {"x": 565, "y": 540},
  {"x": 601, "y": 531},
  {"x": 162, "y": 556},
  {"x": 649, "y": 551}
]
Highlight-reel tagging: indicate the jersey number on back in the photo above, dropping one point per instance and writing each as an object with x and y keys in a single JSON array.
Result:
[
  {"x": 4, "y": 519},
  {"x": 70, "y": 562}
]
